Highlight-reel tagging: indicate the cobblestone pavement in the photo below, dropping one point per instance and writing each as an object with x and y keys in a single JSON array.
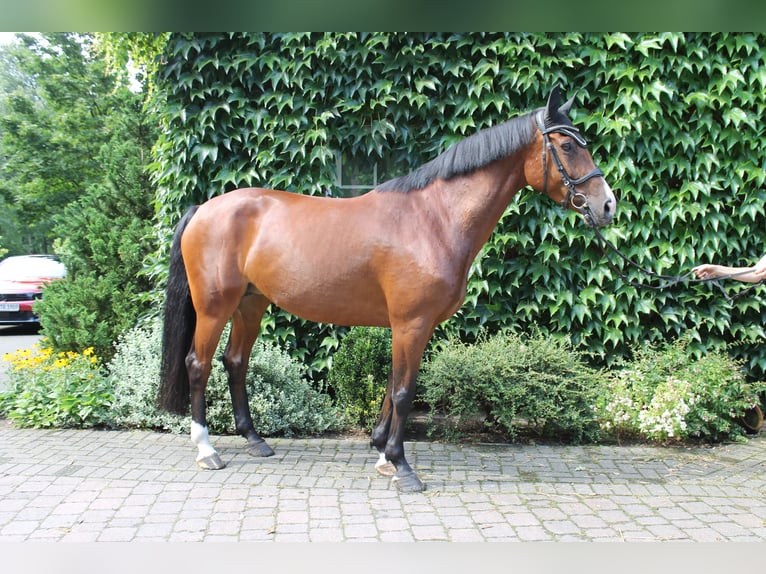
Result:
[{"x": 96, "y": 486}]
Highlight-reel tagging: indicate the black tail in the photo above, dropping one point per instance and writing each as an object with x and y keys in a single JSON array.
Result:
[{"x": 178, "y": 329}]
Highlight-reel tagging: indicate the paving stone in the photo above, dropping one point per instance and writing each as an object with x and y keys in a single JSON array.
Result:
[
  {"x": 20, "y": 527},
  {"x": 117, "y": 534},
  {"x": 366, "y": 530},
  {"x": 463, "y": 534},
  {"x": 95, "y": 486},
  {"x": 430, "y": 532},
  {"x": 397, "y": 536},
  {"x": 532, "y": 533}
]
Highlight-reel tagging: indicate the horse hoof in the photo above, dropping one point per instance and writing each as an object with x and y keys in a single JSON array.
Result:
[
  {"x": 385, "y": 468},
  {"x": 211, "y": 462},
  {"x": 408, "y": 483},
  {"x": 259, "y": 448}
]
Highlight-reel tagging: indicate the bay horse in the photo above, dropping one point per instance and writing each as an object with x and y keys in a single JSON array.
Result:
[{"x": 397, "y": 257}]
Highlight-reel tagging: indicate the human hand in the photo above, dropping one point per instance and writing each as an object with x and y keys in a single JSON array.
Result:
[{"x": 706, "y": 271}]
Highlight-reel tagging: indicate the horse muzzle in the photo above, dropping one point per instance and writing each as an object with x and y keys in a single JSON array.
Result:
[{"x": 597, "y": 212}]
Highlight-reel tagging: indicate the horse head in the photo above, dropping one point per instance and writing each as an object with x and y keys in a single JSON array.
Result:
[{"x": 567, "y": 173}]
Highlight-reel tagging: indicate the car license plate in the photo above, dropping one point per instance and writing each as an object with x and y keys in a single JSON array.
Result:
[{"x": 9, "y": 307}]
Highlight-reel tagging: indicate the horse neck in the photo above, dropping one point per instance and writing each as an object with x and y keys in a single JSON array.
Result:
[{"x": 473, "y": 203}]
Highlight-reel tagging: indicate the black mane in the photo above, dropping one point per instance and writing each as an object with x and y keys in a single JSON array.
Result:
[{"x": 472, "y": 153}]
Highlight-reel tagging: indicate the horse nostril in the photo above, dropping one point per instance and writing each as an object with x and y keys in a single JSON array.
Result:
[{"x": 608, "y": 206}]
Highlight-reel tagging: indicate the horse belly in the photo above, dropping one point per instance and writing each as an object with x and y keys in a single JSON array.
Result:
[
  {"x": 370, "y": 299},
  {"x": 317, "y": 292},
  {"x": 339, "y": 307}
]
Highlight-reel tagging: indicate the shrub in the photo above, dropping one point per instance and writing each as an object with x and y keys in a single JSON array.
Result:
[
  {"x": 666, "y": 394},
  {"x": 134, "y": 374},
  {"x": 282, "y": 401},
  {"x": 359, "y": 373},
  {"x": 88, "y": 309},
  {"x": 514, "y": 384},
  {"x": 47, "y": 389}
]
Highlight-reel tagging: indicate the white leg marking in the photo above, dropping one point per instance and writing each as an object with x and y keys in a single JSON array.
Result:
[
  {"x": 384, "y": 467},
  {"x": 201, "y": 438},
  {"x": 381, "y": 460}
]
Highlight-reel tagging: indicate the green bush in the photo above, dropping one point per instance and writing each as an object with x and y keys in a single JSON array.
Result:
[
  {"x": 667, "y": 394},
  {"x": 87, "y": 309},
  {"x": 282, "y": 401},
  {"x": 516, "y": 385},
  {"x": 134, "y": 377},
  {"x": 47, "y": 389},
  {"x": 359, "y": 373}
]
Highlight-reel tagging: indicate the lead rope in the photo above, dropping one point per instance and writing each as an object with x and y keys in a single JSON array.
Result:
[{"x": 668, "y": 280}]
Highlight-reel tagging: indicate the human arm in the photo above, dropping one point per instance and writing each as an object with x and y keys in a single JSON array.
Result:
[{"x": 745, "y": 274}]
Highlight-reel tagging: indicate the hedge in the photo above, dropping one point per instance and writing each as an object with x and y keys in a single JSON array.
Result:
[{"x": 673, "y": 120}]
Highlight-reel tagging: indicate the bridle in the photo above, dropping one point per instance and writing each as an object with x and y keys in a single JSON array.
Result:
[{"x": 577, "y": 200}]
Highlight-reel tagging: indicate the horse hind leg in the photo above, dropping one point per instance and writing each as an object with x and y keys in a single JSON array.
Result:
[
  {"x": 207, "y": 457},
  {"x": 198, "y": 364},
  {"x": 246, "y": 323}
]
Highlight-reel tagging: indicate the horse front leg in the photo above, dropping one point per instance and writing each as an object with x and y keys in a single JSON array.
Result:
[
  {"x": 408, "y": 344},
  {"x": 379, "y": 436}
]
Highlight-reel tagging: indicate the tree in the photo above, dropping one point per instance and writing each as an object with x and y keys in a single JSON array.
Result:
[
  {"x": 133, "y": 56},
  {"x": 74, "y": 145},
  {"x": 105, "y": 236},
  {"x": 55, "y": 96}
]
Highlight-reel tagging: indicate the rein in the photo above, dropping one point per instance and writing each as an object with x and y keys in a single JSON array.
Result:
[
  {"x": 580, "y": 203},
  {"x": 667, "y": 280}
]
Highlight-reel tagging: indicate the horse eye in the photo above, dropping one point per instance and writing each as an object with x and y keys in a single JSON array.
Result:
[{"x": 566, "y": 146}]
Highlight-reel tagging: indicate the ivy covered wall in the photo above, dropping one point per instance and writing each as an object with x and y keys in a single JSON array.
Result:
[{"x": 673, "y": 120}]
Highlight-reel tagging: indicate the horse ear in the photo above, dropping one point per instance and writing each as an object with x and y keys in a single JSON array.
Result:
[
  {"x": 554, "y": 101},
  {"x": 555, "y": 112},
  {"x": 565, "y": 108}
]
